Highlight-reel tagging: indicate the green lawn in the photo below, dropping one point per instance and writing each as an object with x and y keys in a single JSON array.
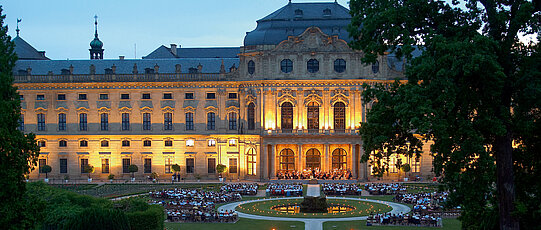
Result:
[
  {"x": 116, "y": 190},
  {"x": 263, "y": 208},
  {"x": 242, "y": 224},
  {"x": 448, "y": 224}
]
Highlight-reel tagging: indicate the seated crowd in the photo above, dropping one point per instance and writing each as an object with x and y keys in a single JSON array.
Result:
[
  {"x": 341, "y": 189},
  {"x": 191, "y": 205},
  {"x": 429, "y": 220},
  {"x": 384, "y": 189},
  {"x": 336, "y": 174},
  {"x": 293, "y": 189},
  {"x": 241, "y": 188},
  {"x": 424, "y": 203}
]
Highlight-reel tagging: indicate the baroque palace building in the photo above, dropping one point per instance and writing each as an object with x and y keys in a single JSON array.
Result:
[{"x": 289, "y": 99}]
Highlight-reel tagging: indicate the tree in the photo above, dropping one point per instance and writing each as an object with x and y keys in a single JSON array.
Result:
[
  {"x": 88, "y": 169},
  {"x": 18, "y": 151},
  {"x": 133, "y": 169},
  {"x": 175, "y": 168},
  {"x": 46, "y": 169},
  {"x": 221, "y": 168},
  {"x": 474, "y": 92}
]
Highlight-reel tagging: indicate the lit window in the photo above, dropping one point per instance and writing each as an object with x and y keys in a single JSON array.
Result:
[
  {"x": 212, "y": 142},
  {"x": 190, "y": 142},
  {"x": 232, "y": 142},
  {"x": 232, "y": 165}
]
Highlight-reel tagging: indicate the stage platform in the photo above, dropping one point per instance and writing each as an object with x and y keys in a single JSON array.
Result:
[{"x": 313, "y": 181}]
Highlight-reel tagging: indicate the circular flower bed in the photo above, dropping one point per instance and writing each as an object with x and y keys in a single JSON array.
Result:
[{"x": 360, "y": 208}]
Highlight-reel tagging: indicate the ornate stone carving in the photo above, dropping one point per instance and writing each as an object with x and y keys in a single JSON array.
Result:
[
  {"x": 124, "y": 110},
  {"x": 189, "y": 109},
  {"x": 168, "y": 109},
  {"x": 340, "y": 94},
  {"x": 313, "y": 95},
  {"x": 310, "y": 40},
  {"x": 104, "y": 110}
]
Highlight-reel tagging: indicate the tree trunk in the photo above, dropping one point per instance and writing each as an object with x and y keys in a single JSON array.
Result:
[{"x": 505, "y": 181}]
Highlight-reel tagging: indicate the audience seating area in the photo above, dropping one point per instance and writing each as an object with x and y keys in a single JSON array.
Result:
[
  {"x": 339, "y": 189},
  {"x": 277, "y": 189}
]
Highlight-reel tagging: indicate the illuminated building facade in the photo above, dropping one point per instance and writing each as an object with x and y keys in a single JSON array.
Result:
[{"x": 289, "y": 99}]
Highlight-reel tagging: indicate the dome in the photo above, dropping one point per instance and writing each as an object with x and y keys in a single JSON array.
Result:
[
  {"x": 96, "y": 43},
  {"x": 294, "y": 18}
]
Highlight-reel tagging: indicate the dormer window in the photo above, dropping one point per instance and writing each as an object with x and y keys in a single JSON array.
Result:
[
  {"x": 298, "y": 13},
  {"x": 327, "y": 12}
]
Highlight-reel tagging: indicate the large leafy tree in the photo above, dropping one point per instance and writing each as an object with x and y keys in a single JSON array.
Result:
[
  {"x": 474, "y": 92},
  {"x": 18, "y": 151}
]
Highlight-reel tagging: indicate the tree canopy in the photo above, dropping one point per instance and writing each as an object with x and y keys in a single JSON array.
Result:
[
  {"x": 18, "y": 151},
  {"x": 474, "y": 92}
]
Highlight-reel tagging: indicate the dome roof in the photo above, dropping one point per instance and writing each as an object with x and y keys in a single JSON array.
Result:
[
  {"x": 295, "y": 18},
  {"x": 96, "y": 43}
]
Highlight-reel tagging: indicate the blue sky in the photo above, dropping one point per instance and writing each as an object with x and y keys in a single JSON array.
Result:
[{"x": 64, "y": 29}]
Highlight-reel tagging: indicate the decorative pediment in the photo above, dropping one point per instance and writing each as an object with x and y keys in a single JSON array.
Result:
[
  {"x": 232, "y": 109},
  {"x": 312, "y": 39},
  {"x": 287, "y": 95},
  {"x": 82, "y": 110},
  {"x": 41, "y": 110},
  {"x": 167, "y": 109},
  {"x": 209, "y": 109},
  {"x": 313, "y": 95},
  {"x": 146, "y": 110},
  {"x": 251, "y": 99},
  {"x": 61, "y": 110},
  {"x": 104, "y": 110},
  {"x": 189, "y": 109},
  {"x": 341, "y": 95},
  {"x": 124, "y": 110}
]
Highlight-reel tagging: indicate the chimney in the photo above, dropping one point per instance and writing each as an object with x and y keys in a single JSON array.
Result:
[
  {"x": 42, "y": 53},
  {"x": 174, "y": 49},
  {"x": 121, "y": 57},
  {"x": 92, "y": 69}
]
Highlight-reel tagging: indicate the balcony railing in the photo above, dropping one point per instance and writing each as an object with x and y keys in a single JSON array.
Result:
[
  {"x": 160, "y": 77},
  {"x": 286, "y": 132}
]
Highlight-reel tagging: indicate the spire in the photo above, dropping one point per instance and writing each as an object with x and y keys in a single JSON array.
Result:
[
  {"x": 18, "y": 20},
  {"x": 96, "y": 26}
]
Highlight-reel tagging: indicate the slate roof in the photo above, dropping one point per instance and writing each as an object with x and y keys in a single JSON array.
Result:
[
  {"x": 26, "y": 52},
  {"x": 210, "y": 52},
  {"x": 285, "y": 22},
  {"x": 42, "y": 67}
]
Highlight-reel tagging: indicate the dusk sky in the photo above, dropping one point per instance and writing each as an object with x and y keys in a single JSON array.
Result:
[{"x": 64, "y": 29}]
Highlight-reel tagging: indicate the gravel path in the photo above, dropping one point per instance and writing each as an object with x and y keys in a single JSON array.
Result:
[{"x": 313, "y": 223}]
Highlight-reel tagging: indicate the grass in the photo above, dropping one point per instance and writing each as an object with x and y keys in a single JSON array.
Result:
[
  {"x": 117, "y": 190},
  {"x": 242, "y": 224},
  {"x": 448, "y": 224},
  {"x": 263, "y": 208}
]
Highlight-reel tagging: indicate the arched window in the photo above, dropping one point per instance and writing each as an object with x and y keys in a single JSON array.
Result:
[
  {"x": 339, "y": 116},
  {"x": 312, "y": 65},
  {"x": 339, "y": 65},
  {"x": 339, "y": 157},
  {"x": 313, "y": 159},
  {"x": 287, "y": 160},
  {"x": 251, "y": 67},
  {"x": 286, "y": 65},
  {"x": 251, "y": 161},
  {"x": 251, "y": 116},
  {"x": 313, "y": 117},
  {"x": 287, "y": 117}
]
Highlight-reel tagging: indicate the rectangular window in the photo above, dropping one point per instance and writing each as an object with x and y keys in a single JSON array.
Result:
[
  {"x": 168, "y": 164},
  {"x": 62, "y": 143},
  {"x": 125, "y": 121},
  {"x": 146, "y": 121},
  {"x": 211, "y": 95},
  {"x": 125, "y": 143},
  {"x": 232, "y": 142},
  {"x": 211, "y": 121},
  {"x": 146, "y": 96},
  {"x": 232, "y": 165},
  {"x": 41, "y": 163},
  {"x": 41, "y": 122},
  {"x": 147, "y": 143},
  {"x": 212, "y": 142},
  {"x": 82, "y": 97},
  {"x": 104, "y": 122},
  {"x": 84, "y": 162},
  {"x": 104, "y": 165},
  {"x": 232, "y": 121},
  {"x": 21, "y": 123},
  {"x": 147, "y": 165},
  {"x": 21, "y": 97},
  {"x": 63, "y": 165},
  {"x": 125, "y": 165},
  {"x": 61, "y": 97},
  {"x": 189, "y": 121},
  {"x": 40, "y": 97},
  {"x": 125, "y": 96},
  {"x": 83, "y": 143},
  {"x": 168, "y": 143},
  {"x": 416, "y": 165},
  {"x": 190, "y": 142},
  {"x": 232, "y": 96},
  {"x": 168, "y": 121},
  {"x": 167, "y": 96},
  {"x": 42, "y": 143},
  {"x": 211, "y": 166},
  {"x": 104, "y": 96},
  {"x": 61, "y": 122},
  {"x": 188, "y": 96},
  {"x": 83, "y": 125},
  {"x": 190, "y": 165}
]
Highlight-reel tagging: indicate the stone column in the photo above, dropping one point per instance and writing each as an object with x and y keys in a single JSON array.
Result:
[
  {"x": 354, "y": 161},
  {"x": 263, "y": 162},
  {"x": 326, "y": 165},
  {"x": 300, "y": 166},
  {"x": 273, "y": 162}
]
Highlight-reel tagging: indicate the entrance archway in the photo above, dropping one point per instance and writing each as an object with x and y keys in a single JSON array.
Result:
[{"x": 313, "y": 159}]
